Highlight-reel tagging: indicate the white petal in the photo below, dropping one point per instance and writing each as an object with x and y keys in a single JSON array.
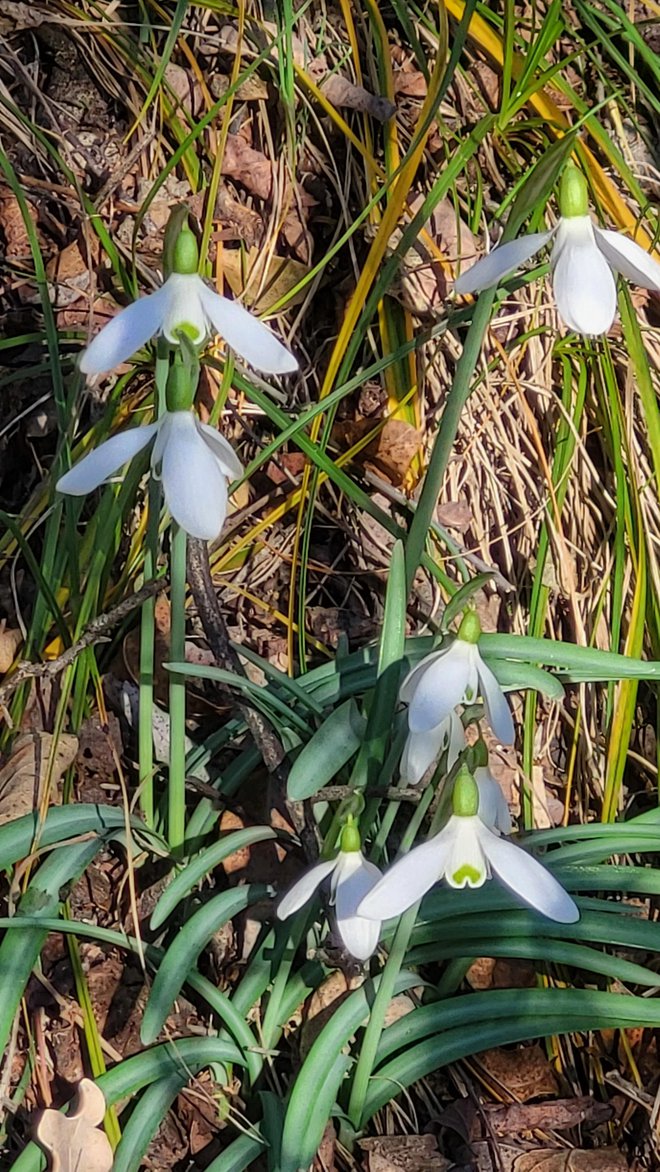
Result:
[
  {"x": 358, "y": 934},
  {"x": 420, "y": 751},
  {"x": 466, "y": 865},
  {"x": 503, "y": 260},
  {"x": 493, "y": 808},
  {"x": 441, "y": 687},
  {"x": 408, "y": 880},
  {"x": 194, "y": 485},
  {"x": 127, "y": 332},
  {"x": 583, "y": 284},
  {"x": 103, "y": 461},
  {"x": 184, "y": 310},
  {"x": 407, "y": 689},
  {"x": 497, "y": 708},
  {"x": 222, "y": 450},
  {"x": 629, "y": 259},
  {"x": 457, "y": 740},
  {"x": 527, "y": 879},
  {"x": 247, "y": 335},
  {"x": 303, "y": 890}
]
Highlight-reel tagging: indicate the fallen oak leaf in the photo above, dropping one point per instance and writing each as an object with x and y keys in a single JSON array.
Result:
[
  {"x": 341, "y": 92},
  {"x": 73, "y": 1142},
  {"x": 28, "y": 771}
]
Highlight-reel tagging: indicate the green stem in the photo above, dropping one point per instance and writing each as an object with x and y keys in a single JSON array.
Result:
[
  {"x": 446, "y": 434},
  {"x": 176, "y": 804},
  {"x": 147, "y": 650}
]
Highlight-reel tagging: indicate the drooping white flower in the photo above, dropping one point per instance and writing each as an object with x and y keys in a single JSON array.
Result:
[
  {"x": 584, "y": 259},
  {"x": 351, "y": 877},
  {"x": 456, "y": 674},
  {"x": 493, "y": 807},
  {"x": 423, "y": 748},
  {"x": 185, "y": 304},
  {"x": 466, "y": 853},
  {"x": 194, "y": 462}
]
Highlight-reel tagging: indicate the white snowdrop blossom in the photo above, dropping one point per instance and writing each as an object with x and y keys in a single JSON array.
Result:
[
  {"x": 351, "y": 877},
  {"x": 493, "y": 807},
  {"x": 466, "y": 853},
  {"x": 185, "y": 305},
  {"x": 584, "y": 260},
  {"x": 456, "y": 674},
  {"x": 194, "y": 462},
  {"x": 423, "y": 748}
]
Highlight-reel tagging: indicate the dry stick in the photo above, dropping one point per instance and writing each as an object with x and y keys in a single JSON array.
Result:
[
  {"x": 96, "y": 632},
  {"x": 215, "y": 630}
]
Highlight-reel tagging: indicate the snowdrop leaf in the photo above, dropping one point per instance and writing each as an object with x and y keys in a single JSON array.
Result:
[
  {"x": 329, "y": 749},
  {"x": 460, "y": 599},
  {"x": 95, "y": 468}
]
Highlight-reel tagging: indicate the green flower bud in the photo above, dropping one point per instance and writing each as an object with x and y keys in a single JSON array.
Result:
[
  {"x": 478, "y": 755},
  {"x": 185, "y": 258},
  {"x": 573, "y": 192},
  {"x": 350, "y": 836},
  {"x": 465, "y": 795},
  {"x": 470, "y": 628}
]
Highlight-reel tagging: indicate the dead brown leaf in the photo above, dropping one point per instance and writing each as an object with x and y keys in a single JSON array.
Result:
[
  {"x": 324, "y": 1160},
  {"x": 553, "y": 1160},
  {"x": 553, "y": 1115},
  {"x": 27, "y": 772},
  {"x": 261, "y": 280},
  {"x": 248, "y": 167},
  {"x": 341, "y": 92},
  {"x": 410, "y": 84},
  {"x": 403, "y": 1153},
  {"x": 392, "y": 450},
  {"x": 16, "y": 239},
  {"x": 10, "y": 641},
  {"x": 525, "y": 1073},
  {"x": 75, "y": 1141}
]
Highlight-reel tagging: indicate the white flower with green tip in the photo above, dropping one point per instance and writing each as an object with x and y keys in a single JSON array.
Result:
[
  {"x": 456, "y": 674},
  {"x": 186, "y": 305},
  {"x": 194, "y": 462},
  {"x": 351, "y": 877},
  {"x": 584, "y": 260},
  {"x": 466, "y": 853},
  {"x": 423, "y": 748}
]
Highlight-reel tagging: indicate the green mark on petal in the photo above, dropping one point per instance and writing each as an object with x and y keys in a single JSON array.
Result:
[
  {"x": 469, "y": 875},
  {"x": 190, "y": 331}
]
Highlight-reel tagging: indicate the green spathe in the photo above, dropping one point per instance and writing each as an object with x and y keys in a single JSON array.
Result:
[
  {"x": 573, "y": 192},
  {"x": 465, "y": 795},
  {"x": 186, "y": 253}
]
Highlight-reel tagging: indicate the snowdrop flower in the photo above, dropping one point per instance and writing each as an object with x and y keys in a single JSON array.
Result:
[
  {"x": 351, "y": 877},
  {"x": 466, "y": 853},
  {"x": 185, "y": 304},
  {"x": 493, "y": 807},
  {"x": 455, "y": 674},
  {"x": 194, "y": 462},
  {"x": 423, "y": 748},
  {"x": 584, "y": 259}
]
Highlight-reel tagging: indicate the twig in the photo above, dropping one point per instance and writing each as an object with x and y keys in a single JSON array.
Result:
[{"x": 96, "y": 632}]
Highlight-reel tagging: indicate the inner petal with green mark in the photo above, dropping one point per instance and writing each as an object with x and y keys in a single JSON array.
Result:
[
  {"x": 468, "y": 875},
  {"x": 191, "y": 331}
]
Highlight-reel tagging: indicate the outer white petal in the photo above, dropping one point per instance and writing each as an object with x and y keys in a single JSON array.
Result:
[
  {"x": 247, "y": 335},
  {"x": 584, "y": 288},
  {"x": 628, "y": 258},
  {"x": 126, "y": 333},
  {"x": 497, "y": 708},
  {"x": 503, "y": 260},
  {"x": 184, "y": 307},
  {"x": 194, "y": 485},
  {"x": 420, "y": 751},
  {"x": 408, "y": 880},
  {"x": 527, "y": 879},
  {"x": 441, "y": 687},
  {"x": 222, "y": 450},
  {"x": 303, "y": 890},
  {"x": 493, "y": 808},
  {"x": 101, "y": 463},
  {"x": 467, "y": 865},
  {"x": 407, "y": 689},
  {"x": 355, "y": 877}
]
